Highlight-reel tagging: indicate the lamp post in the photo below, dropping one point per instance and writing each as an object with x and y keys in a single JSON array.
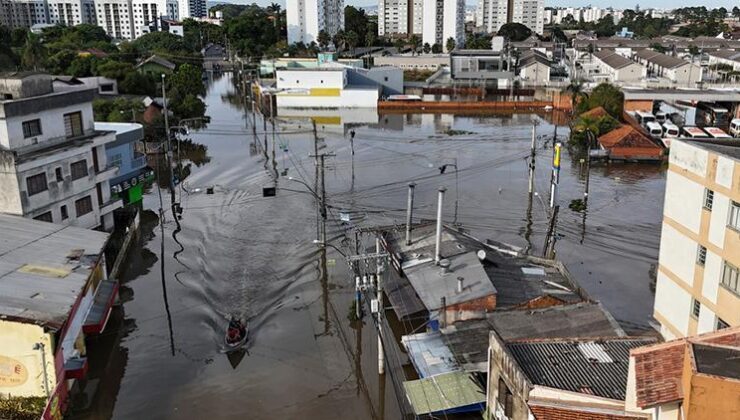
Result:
[{"x": 442, "y": 170}]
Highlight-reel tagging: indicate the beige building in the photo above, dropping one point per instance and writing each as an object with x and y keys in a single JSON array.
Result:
[{"x": 698, "y": 281}]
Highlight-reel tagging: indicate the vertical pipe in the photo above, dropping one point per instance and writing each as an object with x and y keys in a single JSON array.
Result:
[
  {"x": 531, "y": 159},
  {"x": 409, "y": 212},
  {"x": 440, "y": 199},
  {"x": 555, "y": 173},
  {"x": 379, "y": 272}
]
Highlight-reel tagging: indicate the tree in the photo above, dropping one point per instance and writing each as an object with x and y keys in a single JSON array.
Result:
[
  {"x": 340, "y": 40},
  {"x": 185, "y": 81},
  {"x": 136, "y": 83},
  {"x": 427, "y": 48},
  {"x": 436, "y": 49},
  {"x": 352, "y": 39},
  {"x": 514, "y": 32},
  {"x": 399, "y": 43},
  {"x": 607, "y": 96},
  {"x": 82, "y": 66},
  {"x": 34, "y": 52},
  {"x": 450, "y": 45},
  {"x": 577, "y": 94},
  {"x": 736, "y": 13},
  {"x": 415, "y": 42},
  {"x": 59, "y": 62},
  {"x": 323, "y": 39},
  {"x": 114, "y": 69},
  {"x": 370, "y": 38},
  {"x": 356, "y": 20},
  {"x": 189, "y": 107}
]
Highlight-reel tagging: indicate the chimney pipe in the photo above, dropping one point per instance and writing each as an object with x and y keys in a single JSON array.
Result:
[
  {"x": 439, "y": 224},
  {"x": 409, "y": 211}
]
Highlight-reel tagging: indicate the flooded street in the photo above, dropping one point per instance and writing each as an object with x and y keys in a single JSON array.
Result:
[{"x": 236, "y": 252}]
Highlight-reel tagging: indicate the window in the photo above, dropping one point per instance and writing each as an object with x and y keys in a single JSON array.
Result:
[
  {"x": 701, "y": 255},
  {"x": 73, "y": 124},
  {"x": 79, "y": 169},
  {"x": 36, "y": 184},
  {"x": 116, "y": 160},
  {"x": 58, "y": 173},
  {"x": 695, "y": 308},
  {"x": 65, "y": 215},
  {"x": 708, "y": 198},
  {"x": 46, "y": 217},
  {"x": 83, "y": 206},
  {"x": 31, "y": 128},
  {"x": 734, "y": 220},
  {"x": 730, "y": 278},
  {"x": 721, "y": 325}
]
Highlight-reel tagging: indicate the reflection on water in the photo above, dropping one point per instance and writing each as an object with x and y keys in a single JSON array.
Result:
[{"x": 234, "y": 251}]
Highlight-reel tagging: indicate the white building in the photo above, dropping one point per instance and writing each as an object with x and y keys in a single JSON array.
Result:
[
  {"x": 443, "y": 19},
  {"x": 53, "y": 166},
  {"x": 609, "y": 66},
  {"x": 72, "y": 12},
  {"x": 492, "y": 14},
  {"x": 23, "y": 13},
  {"x": 192, "y": 9},
  {"x": 335, "y": 85},
  {"x": 530, "y": 13},
  {"x": 306, "y": 18},
  {"x": 116, "y": 18},
  {"x": 397, "y": 16},
  {"x": 698, "y": 280}
]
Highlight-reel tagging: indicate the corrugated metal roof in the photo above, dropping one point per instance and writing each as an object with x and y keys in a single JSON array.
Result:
[
  {"x": 446, "y": 393},
  {"x": 594, "y": 367},
  {"x": 660, "y": 59},
  {"x": 429, "y": 354},
  {"x": 612, "y": 59},
  {"x": 35, "y": 295}
]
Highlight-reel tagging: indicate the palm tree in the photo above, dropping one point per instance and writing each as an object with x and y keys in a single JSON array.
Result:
[
  {"x": 340, "y": 40},
  {"x": 323, "y": 39},
  {"x": 415, "y": 42},
  {"x": 352, "y": 39},
  {"x": 577, "y": 93},
  {"x": 34, "y": 52},
  {"x": 399, "y": 43}
]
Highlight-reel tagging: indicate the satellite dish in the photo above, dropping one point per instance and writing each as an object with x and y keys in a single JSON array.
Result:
[{"x": 481, "y": 255}]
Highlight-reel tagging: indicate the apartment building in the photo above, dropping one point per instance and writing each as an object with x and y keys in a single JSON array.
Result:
[
  {"x": 306, "y": 18},
  {"x": 192, "y": 8},
  {"x": 493, "y": 14},
  {"x": 23, "y": 13},
  {"x": 72, "y": 12},
  {"x": 116, "y": 18},
  {"x": 53, "y": 165},
  {"x": 698, "y": 282},
  {"x": 400, "y": 17},
  {"x": 443, "y": 19}
]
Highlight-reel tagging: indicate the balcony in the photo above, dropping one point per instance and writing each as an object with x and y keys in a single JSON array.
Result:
[
  {"x": 138, "y": 162},
  {"x": 106, "y": 173}
]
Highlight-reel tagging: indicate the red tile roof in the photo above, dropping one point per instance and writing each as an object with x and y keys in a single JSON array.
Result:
[
  {"x": 625, "y": 142},
  {"x": 597, "y": 112},
  {"x": 658, "y": 368},
  {"x": 552, "y": 412}
]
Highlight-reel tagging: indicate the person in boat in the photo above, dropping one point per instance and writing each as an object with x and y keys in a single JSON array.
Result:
[{"x": 235, "y": 330}]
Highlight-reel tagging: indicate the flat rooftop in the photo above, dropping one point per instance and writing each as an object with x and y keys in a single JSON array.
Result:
[
  {"x": 729, "y": 147},
  {"x": 717, "y": 360},
  {"x": 43, "y": 268}
]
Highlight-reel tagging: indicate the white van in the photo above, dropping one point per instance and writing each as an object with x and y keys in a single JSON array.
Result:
[
  {"x": 735, "y": 127},
  {"x": 654, "y": 129},
  {"x": 670, "y": 130},
  {"x": 717, "y": 133},
  {"x": 661, "y": 117},
  {"x": 694, "y": 133},
  {"x": 644, "y": 117}
]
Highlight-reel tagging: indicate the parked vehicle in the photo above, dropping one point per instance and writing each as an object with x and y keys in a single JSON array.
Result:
[
  {"x": 711, "y": 115},
  {"x": 644, "y": 117},
  {"x": 717, "y": 133},
  {"x": 661, "y": 117},
  {"x": 654, "y": 129},
  {"x": 670, "y": 130},
  {"x": 735, "y": 127},
  {"x": 694, "y": 133}
]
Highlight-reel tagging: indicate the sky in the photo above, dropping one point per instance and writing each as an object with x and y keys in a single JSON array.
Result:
[{"x": 617, "y": 4}]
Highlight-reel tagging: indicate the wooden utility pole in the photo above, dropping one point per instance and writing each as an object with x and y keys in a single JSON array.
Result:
[{"x": 379, "y": 289}]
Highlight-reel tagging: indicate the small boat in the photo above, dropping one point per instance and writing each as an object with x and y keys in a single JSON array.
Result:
[
  {"x": 548, "y": 108},
  {"x": 236, "y": 335}
]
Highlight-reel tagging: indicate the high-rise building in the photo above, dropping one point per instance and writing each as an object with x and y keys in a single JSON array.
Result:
[
  {"x": 23, "y": 13},
  {"x": 115, "y": 17},
  {"x": 493, "y": 14},
  {"x": 72, "y": 12},
  {"x": 192, "y": 8},
  {"x": 403, "y": 17},
  {"x": 698, "y": 279},
  {"x": 443, "y": 19},
  {"x": 306, "y": 18}
]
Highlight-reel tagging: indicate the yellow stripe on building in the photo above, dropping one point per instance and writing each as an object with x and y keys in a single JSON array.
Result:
[
  {"x": 325, "y": 92},
  {"x": 45, "y": 271},
  {"x": 327, "y": 120}
]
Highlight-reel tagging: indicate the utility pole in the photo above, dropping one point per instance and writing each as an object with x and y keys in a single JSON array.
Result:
[
  {"x": 555, "y": 173},
  {"x": 169, "y": 146},
  {"x": 379, "y": 288},
  {"x": 438, "y": 238},
  {"x": 549, "y": 251},
  {"x": 532, "y": 154},
  {"x": 322, "y": 197},
  {"x": 409, "y": 212},
  {"x": 589, "y": 135}
]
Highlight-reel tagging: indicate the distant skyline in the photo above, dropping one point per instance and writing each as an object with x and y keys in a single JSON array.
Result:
[{"x": 617, "y": 4}]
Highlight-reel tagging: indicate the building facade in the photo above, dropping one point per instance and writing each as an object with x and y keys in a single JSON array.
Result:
[
  {"x": 698, "y": 282},
  {"x": 192, "y": 8},
  {"x": 116, "y": 18},
  {"x": 72, "y": 12},
  {"x": 443, "y": 19},
  {"x": 23, "y": 13},
  {"x": 493, "y": 14},
  {"x": 54, "y": 166},
  {"x": 124, "y": 153},
  {"x": 306, "y": 18}
]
